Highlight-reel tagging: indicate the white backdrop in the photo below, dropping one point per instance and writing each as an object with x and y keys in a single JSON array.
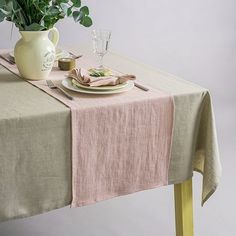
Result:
[{"x": 192, "y": 39}]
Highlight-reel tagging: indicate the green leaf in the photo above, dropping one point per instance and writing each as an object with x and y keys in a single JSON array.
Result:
[
  {"x": 53, "y": 10},
  {"x": 76, "y": 3},
  {"x": 69, "y": 11},
  {"x": 64, "y": 7},
  {"x": 78, "y": 15},
  {"x": 2, "y": 3},
  {"x": 5, "y": 12},
  {"x": 2, "y": 16},
  {"x": 85, "y": 10},
  {"x": 34, "y": 27},
  {"x": 86, "y": 21}
]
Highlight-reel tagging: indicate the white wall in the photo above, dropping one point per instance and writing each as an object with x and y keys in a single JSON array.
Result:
[{"x": 195, "y": 39}]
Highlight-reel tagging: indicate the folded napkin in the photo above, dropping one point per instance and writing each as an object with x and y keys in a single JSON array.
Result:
[{"x": 92, "y": 81}]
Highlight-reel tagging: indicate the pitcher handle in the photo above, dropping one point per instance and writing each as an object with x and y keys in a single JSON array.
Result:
[{"x": 55, "y": 36}]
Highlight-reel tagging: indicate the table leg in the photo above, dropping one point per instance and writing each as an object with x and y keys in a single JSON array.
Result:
[{"x": 184, "y": 209}]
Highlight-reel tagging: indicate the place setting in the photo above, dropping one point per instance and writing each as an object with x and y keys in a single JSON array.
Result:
[{"x": 99, "y": 80}]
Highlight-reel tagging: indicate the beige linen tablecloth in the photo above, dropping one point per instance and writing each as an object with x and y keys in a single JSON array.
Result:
[{"x": 35, "y": 144}]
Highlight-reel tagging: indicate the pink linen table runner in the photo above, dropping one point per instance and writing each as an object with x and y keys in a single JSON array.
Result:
[{"x": 120, "y": 143}]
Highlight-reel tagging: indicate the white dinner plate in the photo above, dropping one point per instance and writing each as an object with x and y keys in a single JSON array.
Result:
[
  {"x": 100, "y": 88},
  {"x": 68, "y": 84},
  {"x": 60, "y": 53}
]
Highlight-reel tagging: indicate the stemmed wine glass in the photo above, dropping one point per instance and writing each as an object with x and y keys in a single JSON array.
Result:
[{"x": 101, "y": 39}]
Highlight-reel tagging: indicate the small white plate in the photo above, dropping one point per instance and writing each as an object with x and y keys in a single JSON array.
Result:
[
  {"x": 60, "y": 53},
  {"x": 68, "y": 84},
  {"x": 100, "y": 88}
]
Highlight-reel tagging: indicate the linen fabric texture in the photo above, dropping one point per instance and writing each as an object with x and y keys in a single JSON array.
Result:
[{"x": 37, "y": 178}]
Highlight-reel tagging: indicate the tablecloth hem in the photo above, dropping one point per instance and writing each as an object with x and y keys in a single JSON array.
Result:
[
  {"x": 39, "y": 212},
  {"x": 75, "y": 203}
]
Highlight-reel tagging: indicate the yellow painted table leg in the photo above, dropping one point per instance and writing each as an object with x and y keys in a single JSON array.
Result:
[{"x": 184, "y": 209}]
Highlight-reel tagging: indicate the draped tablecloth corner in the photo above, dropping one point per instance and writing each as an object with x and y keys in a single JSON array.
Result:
[{"x": 207, "y": 159}]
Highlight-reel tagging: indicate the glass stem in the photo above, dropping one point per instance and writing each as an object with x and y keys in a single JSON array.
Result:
[{"x": 101, "y": 62}]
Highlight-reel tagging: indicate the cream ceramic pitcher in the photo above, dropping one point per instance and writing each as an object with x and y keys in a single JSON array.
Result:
[{"x": 35, "y": 53}]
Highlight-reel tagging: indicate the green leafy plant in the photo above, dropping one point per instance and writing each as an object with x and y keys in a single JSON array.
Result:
[{"x": 37, "y": 15}]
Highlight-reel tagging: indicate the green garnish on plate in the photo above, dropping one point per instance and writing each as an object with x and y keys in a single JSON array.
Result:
[{"x": 99, "y": 73}]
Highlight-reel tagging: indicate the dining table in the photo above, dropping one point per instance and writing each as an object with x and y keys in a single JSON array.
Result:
[{"x": 38, "y": 141}]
